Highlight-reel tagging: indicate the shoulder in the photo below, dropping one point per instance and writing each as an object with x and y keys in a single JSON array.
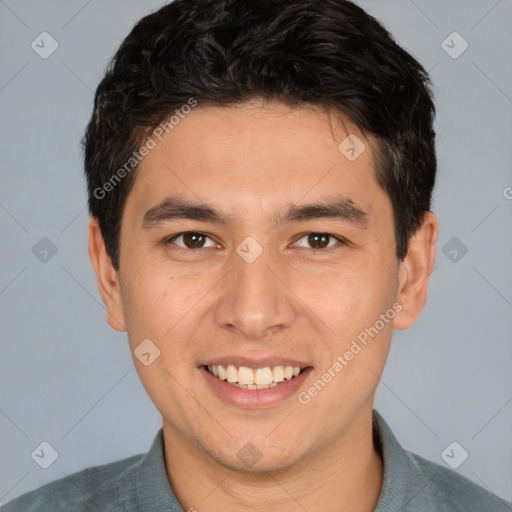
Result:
[
  {"x": 441, "y": 488},
  {"x": 94, "y": 488},
  {"x": 412, "y": 483}
]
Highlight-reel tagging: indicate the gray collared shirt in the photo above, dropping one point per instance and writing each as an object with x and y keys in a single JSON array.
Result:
[{"x": 139, "y": 483}]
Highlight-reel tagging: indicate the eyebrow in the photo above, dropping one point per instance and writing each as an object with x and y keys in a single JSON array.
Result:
[{"x": 174, "y": 208}]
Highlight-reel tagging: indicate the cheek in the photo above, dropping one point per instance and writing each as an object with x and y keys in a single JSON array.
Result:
[
  {"x": 150, "y": 302},
  {"x": 163, "y": 307},
  {"x": 352, "y": 299}
]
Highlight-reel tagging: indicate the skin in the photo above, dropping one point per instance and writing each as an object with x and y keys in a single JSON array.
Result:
[{"x": 292, "y": 301}]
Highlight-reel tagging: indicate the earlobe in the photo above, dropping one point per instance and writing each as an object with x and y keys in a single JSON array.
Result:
[
  {"x": 415, "y": 271},
  {"x": 106, "y": 277}
]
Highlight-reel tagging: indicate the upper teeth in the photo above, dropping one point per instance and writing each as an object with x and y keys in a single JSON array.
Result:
[{"x": 248, "y": 376}]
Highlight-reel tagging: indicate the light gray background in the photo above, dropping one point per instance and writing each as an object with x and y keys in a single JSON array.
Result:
[{"x": 68, "y": 379}]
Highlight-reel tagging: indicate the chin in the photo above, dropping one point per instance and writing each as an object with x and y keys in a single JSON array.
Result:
[{"x": 256, "y": 455}]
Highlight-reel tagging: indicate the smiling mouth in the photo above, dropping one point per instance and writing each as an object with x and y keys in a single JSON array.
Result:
[{"x": 249, "y": 378}]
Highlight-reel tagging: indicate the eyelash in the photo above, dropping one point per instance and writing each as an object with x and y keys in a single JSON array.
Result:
[{"x": 178, "y": 249}]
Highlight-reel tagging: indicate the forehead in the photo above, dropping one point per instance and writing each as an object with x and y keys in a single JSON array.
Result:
[
  {"x": 252, "y": 157},
  {"x": 253, "y": 134}
]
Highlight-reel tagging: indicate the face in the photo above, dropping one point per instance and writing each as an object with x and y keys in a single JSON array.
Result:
[{"x": 257, "y": 278}]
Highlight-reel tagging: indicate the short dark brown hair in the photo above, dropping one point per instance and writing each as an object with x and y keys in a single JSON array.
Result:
[{"x": 327, "y": 53}]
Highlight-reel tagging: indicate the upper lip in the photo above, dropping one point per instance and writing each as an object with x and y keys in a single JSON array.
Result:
[{"x": 255, "y": 363}]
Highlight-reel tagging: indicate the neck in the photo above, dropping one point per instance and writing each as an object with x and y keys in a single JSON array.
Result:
[{"x": 343, "y": 475}]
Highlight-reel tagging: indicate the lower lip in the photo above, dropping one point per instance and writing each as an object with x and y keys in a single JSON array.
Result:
[{"x": 255, "y": 398}]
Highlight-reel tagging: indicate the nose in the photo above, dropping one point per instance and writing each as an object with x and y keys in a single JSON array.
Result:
[{"x": 256, "y": 300}]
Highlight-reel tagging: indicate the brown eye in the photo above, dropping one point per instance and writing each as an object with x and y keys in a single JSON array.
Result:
[
  {"x": 191, "y": 240},
  {"x": 319, "y": 240}
]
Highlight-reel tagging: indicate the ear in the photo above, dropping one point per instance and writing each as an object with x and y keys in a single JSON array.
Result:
[
  {"x": 414, "y": 272},
  {"x": 106, "y": 276}
]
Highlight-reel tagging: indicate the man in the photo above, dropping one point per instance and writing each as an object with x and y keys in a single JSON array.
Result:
[{"x": 260, "y": 175}]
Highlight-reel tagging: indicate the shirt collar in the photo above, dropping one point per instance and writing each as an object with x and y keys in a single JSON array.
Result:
[
  {"x": 152, "y": 490},
  {"x": 400, "y": 473},
  {"x": 149, "y": 488}
]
